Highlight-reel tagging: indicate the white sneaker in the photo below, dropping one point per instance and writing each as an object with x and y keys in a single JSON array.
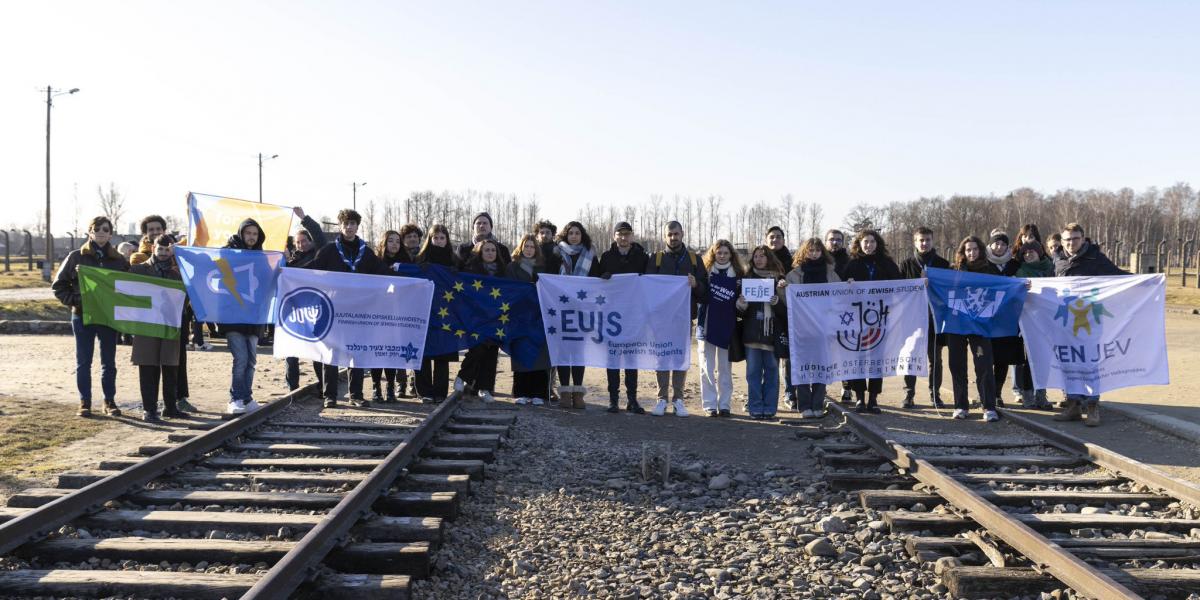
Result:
[
  {"x": 206, "y": 346},
  {"x": 459, "y": 384},
  {"x": 252, "y": 406},
  {"x": 960, "y": 413},
  {"x": 191, "y": 347},
  {"x": 808, "y": 414},
  {"x": 236, "y": 407},
  {"x": 991, "y": 416},
  {"x": 521, "y": 401},
  {"x": 680, "y": 409},
  {"x": 485, "y": 396},
  {"x": 537, "y": 402},
  {"x": 660, "y": 409}
]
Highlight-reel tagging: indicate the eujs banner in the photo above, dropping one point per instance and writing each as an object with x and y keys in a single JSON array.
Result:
[
  {"x": 1090, "y": 335},
  {"x": 351, "y": 319},
  {"x": 839, "y": 331},
  {"x": 626, "y": 322}
]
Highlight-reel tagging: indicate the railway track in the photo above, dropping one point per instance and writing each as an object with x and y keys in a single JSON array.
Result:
[
  {"x": 1021, "y": 516},
  {"x": 265, "y": 506}
]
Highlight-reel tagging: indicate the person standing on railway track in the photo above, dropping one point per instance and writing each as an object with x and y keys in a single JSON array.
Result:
[
  {"x": 970, "y": 257},
  {"x": 348, "y": 253},
  {"x": 1006, "y": 351},
  {"x": 433, "y": 380},
  {"x": 1022, "y": 385},
  {"x": 308, "y": 239},
  {"x": 1081, "y": 257},
  {"x": 242, "y": 339},
  {"x": 677, "y": 259},
  {"x": 869, "y": 261},
  {"x": 623, "y": 256},
  {"x": 835, "y": 243},
  {"x": 1034, "y": 263},
  {"x": 812, "y": 264},
  {"x": 97, "y": 251},
  {"x": 391, "y": 251},
  {"x": 157, "y": 358},
  {"x": 913, "y": 267}
]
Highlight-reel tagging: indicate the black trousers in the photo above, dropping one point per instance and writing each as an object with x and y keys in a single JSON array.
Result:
[
  {"x": 433, "y": 380},
  {"x": 934, "y": 346},
  {"x": 531, "y": 384},
  {"x": 292, "y": 375},
  {"x": 391, "y": 375},
  {"x": 570, "y": 375},
  {"x": 479, "y": 367},
  {"x": 149, "y": 377},
  {"x": 863, "y": 386},
  {"x": 181, "y": 380},
  {"x": 329, "y": 379},
  {"x": 981, "y": 357},
  {"x": 614, "y": 384}
]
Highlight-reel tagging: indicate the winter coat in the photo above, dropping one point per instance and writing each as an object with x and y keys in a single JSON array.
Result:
[
  {"x": 236, "y": 242},
  {"x": 300, "y": 259},
  {"x": 445, "y": 257},
  {"x": 785, "y": 258},
  {"x": 870, "y": 267},
  {"x": 504, "y": 255},
  {"x": 682, "y": 263},
  {"x": 1008, "y": 269},
  {"x": 914, "y": 266},
  {"x": 753, "y": 334},
  {"x": 797, "y": 275},
  {"x": 152, "y": 351},
  {"x": 840, "y": 259},
  {"x": 516, "y": 273},
  {"x": 145, "y": 252},
  {"x": 328, "y": 258},
  {"x": 1089, "y": 262},
  {"x": 1041, "y": 268},
  {"x": 612, "y": 262},
  {"x": 566, "y": 259},
  {"x": 702, "y": 313},
  {"x": 66, "y": 282},
  {"x": 550, "y": 256}
]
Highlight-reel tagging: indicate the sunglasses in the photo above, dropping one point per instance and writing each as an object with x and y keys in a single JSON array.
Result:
[{"x": 103, "y": 230}]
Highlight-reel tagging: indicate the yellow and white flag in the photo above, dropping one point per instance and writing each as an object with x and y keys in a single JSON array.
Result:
[{"x": 212, "y": 219}]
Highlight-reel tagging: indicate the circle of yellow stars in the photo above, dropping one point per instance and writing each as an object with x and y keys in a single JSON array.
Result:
[{"x": 478, "y": 285}]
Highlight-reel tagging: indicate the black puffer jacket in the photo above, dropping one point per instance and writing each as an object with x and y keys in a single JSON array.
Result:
[
  {"x": 66, "y": 282},
  {"x": 870, "y": 267},
  {"x": 300, "y": 259},
  {"x": 612, "y": 262},
  {"x": 1089, "y": 261}
]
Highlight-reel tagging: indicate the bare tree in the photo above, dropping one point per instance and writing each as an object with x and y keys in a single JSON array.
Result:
[{"x": 112, "y": 204}]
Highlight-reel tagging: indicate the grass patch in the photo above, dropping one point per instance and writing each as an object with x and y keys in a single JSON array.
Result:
[
  {"x": 28, "y": 310},
  {"x": 1181, "y": 296},
  {"x": 30, "y": 428},
  {"x": 13, "y": 280}
]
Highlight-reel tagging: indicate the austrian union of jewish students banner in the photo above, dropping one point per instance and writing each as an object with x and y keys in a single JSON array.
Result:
[
  {"x": 352, "y": 319},
  {"x": 861, "y": 330},
  {"x": 1090, "y": 335},
  {"x": 626, "y": 322}
]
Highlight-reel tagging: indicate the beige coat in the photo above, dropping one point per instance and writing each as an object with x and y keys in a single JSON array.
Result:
[{"x": 152, "y": 351}]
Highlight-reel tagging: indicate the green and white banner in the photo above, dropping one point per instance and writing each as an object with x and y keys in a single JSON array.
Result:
[{"x": 133, "y": 304}]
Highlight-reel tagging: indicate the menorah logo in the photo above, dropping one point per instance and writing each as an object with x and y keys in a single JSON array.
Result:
[{"x": 306, "y": 313}]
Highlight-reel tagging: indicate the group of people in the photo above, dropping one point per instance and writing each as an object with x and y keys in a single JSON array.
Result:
[{"x": 760, "y": 340}]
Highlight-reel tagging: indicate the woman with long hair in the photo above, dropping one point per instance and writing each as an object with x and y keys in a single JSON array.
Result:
[
  {"x": 812, "y": 263},
  {"x": 1034, "y": 263},
  {"x": 761, "y": 324},
  {"x": 478, "y": 370},
  {"x": 433, "y": 380},
  {"x": 869, "y": 261},
  {"x": 576, "y": 258},
  {"x": 716, "y": 380},
  {"x": 531, "y": 383},
  {"x": 970, "y": 256},
  {"x": 391, "y": 252}
]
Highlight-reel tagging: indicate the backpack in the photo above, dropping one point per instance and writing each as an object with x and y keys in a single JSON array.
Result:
[{"x": 658, "y": 256}]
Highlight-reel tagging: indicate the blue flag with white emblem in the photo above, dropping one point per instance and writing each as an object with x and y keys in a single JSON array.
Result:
[
  {"x": 968, "y": 303},
  {"x": 470, "y": 309},
  {"x": 230, "y": 286}
]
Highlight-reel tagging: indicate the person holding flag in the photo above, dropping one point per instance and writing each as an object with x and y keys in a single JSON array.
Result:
[
  {"x": 715, "y": 326},
  {"x": 241, "y": 338},
  {"x": 433, "y": 380},
  {"x": 925, "y": 255},
  {"x": 391, "y": 252},
  {"x": 970, "y": 257},
  {"x": 677, "y": 260},
  {"x": 869, "y": 261},
  {"x": 813, "y": 264},
  {"x": 576, "y": 258},
  {"x": 479, "y": 366},
  {"x": 158, "y": 359},
  {"x": 530, "y": 382},
  {"x": 308, "y": 239},
  {"x": 97, "y": 251},
  {"x": 1034, "y": 263},
  {"x": 623, "y": 256},
  {"x": 346, "y": 254}
]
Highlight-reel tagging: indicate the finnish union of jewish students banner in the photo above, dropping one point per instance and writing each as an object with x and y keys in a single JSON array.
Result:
[
  {"x": 1090, "y": 335},
  {"x": 352, "y": 319},
  {"x": 626, "y": 322},
  {"x": 839, "y": 331}
]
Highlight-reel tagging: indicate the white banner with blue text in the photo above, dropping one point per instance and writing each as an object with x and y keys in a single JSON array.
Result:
[
  {"x": 1090, "y": 335},
  {"x": 352, "y": 319},
  {"x": 626, "y": 322},
  {"x": 860, "y": 330}
]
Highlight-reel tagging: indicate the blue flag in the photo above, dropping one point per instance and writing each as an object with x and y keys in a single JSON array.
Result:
[
  {"x": 230, "y": 286},
  {"x": 468, "y": 310},
  {"x": 975, "y": 304}
]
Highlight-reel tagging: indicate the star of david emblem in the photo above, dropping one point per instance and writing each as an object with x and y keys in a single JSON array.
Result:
[{"x": 408, "y": 352}]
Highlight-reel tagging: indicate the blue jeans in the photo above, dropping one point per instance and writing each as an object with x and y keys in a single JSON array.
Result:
[
  {"x": 1084, "y": 401},
  {"x": 762, "y": 376},
  {"x": 811, "y": 396},
  {"x": 245, "y": 357},
  {"x": 85, "y": 348}
]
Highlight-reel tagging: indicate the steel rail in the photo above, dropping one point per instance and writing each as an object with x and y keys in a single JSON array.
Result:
[
  {"x": 40, "y": 521},
  {"x": 1047, "y": 555},
  {"x": 297, "y": 566}
]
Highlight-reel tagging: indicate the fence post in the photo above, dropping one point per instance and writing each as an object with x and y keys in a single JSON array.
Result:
[
  {"x": 1184, "y": 252},
  {"x": 29, "y": 245},
  {"x": 7, "y": 247}
]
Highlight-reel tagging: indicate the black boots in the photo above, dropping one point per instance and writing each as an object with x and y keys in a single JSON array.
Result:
[
  {"x": 909, "y": 398},
  {"x": 613, "y": 405},
  {"x": 391, "y": 392}
]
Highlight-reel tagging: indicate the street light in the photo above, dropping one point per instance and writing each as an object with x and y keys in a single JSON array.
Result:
[
  {"x": 48, "y": 266},
  {"x": 261, "y": 160},
  {"x": 354, "y": 187}
]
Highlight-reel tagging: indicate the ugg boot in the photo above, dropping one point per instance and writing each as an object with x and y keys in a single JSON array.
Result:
[
  {"x": 580, "y": 392},
  {"x": 1071, "y": 411},
  {"x": 566, "y": 395}
]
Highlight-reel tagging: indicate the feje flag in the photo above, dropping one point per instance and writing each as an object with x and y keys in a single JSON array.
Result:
[
  {"x": 839, "y": 331},
  {"x": 212, "y": 219},
  {"x": 133, "y": 304},
  {"x": 230, "y": 286},
  {"x": 968, "y": 303},
  {"x": 1090, "y": 335}
]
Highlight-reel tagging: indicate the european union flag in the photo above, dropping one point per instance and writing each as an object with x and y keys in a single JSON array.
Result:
[
  {"x": 975, "y": 304},
  {"x": 468, "y": 310},
  {"x": 230, "y": 286}
]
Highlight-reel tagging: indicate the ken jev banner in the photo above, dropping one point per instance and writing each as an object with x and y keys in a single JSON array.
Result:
[{"x": 839, "y": 331}]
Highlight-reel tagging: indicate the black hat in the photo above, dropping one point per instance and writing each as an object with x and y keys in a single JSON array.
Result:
[
  {"x": 622, "y": 226},
  {"x": 485, "y": 215},
  {"x": 998, "y": 235}
]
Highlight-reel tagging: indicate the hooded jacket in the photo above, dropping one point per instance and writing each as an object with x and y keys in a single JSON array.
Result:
[
  {"x": 236, "y": 242},
  {"x": 612, "y": 262},
  {"x": 66, "y": 282},
  {"x": 1089, "y": 261}
]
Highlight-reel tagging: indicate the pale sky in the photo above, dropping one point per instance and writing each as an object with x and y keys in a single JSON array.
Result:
[{"x": 596, "y": 101}]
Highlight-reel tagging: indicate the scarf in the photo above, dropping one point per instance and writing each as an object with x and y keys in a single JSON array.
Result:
[
  {"x": 357, "y": 252},
  {"x": 583, "y": 259},
  {"x": 527, "y": 265},
  {"x": 100, "y": 252},
  {"x": 1001, "y": 260},
  {"x": 438, "y": 255},
  {"x": 725, "y": 269},
  {"x": 768, "y": 316},
  {"x": 979, "y": 265},
  {"x": 1039, "y": 268},
  {"x": 815, "y": 271},
  {"x": 164, "y": 267},
  {"x": 924, "y": 258},
  {"x": 488, "y": 236},
  {"x": 491, "y": 268}
]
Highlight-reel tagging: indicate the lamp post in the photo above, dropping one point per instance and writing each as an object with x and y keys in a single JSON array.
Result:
[
  {"x": 261, "y": 160},
  {"x": 354, "y": 188},
  {"x": 48, "y": 266}
]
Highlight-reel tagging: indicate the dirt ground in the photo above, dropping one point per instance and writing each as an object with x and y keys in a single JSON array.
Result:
[{"x": 39, "y": 369}]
